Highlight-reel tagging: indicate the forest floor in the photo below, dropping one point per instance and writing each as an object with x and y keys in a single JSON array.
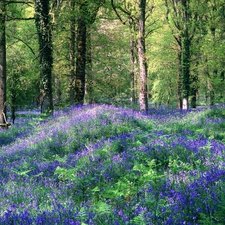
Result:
[{"x": 101, "y": 164}]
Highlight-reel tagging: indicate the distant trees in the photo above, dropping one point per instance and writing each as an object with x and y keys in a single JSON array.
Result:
[
  {"x": 196, "y": 28},
  {"x": 85, "y": 54},
  {"x": 213, "y": 49},
  {"x": 131, "y": 21}
]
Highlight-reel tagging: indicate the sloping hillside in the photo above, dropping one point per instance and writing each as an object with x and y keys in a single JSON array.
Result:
[{"x": 100, "y": 164}]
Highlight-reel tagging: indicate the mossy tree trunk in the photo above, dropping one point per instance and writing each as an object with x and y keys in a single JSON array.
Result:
[
  {"x": 89, "y": 69},
  {"x": 43, "y": 24},
  {"x": 86, "y": 17},
  {"x": 81, "y": 54},
  {"x": 179, "y": 72},
  {"x": 185, "y": 72},
  {"x": 2, "y": 63},
  {"x": 179, "y": 18},
  {"x": 72, "y": 51}
]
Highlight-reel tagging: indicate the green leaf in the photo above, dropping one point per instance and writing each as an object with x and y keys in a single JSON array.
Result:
[
  {"x": 102, "y": 208},
  {"x": 23, "y": 173},
  {"x": 96, "y": 189}
]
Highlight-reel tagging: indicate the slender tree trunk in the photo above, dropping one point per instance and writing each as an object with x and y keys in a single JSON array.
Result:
[
  {"x": 81, "y": 54},
  {"x": 143, "y": 97},
  {"x": 222, "y": 78},
  {"x": 13, "y": 83},
  {"x": 89, "y": 75},
  {"x": 194, "y": 98},
  {"x": 210, "y": 80},
  {"x": 211, "y": 92},
  {"x": 194, "y": 88},
  {"x": 58, "y": 92},
  {"x": 2, "y": 63},
  {"x": 179, "y": 96},
  {"x": 72, "y": 52},
  {"x": 43, "y": 24},
  {"x": 132, "y": 67}
]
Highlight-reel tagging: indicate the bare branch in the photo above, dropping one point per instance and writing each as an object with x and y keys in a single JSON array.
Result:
[
  {"x": 118, "y": 15},
  {"x": 19, "y": 2},
  {"x": 19, "y": 39},
  {"x": 15, "y": 18}
]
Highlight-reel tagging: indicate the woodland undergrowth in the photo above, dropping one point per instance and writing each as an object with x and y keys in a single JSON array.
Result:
[{"x": 101, "y": 164}]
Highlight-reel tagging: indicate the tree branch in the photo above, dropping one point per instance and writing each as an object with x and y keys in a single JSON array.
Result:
[
  {"x": 19, "y": 39},
  {"x": 15, "y": 18},
  {"x": 118, "y": 15},
  {"x": 19, "y": 2}
]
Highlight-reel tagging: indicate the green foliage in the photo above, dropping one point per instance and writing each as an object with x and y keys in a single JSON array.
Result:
[
  {"x": 66, "y": 174},
  {"x": 138, "y": 220},
  {"x": 102, "y": 208}
]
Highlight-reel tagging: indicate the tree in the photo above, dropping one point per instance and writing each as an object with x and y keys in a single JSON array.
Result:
[
  {"x": 131, "y": 22},
  {"x": 81, "y": 53},
  {"x": 86, "y": 16},
  {"x": 43, "y": 24},
  {"x": 213, "y": 48},
  {"x": 72, "y": 51},
  {"x": 2, "y": 64},
  {"x": 143, "y": 97},
  {"x": 181, "y": 17},
  {"x": 137, "y": 18},
  {"x": 22, "y": 50}
]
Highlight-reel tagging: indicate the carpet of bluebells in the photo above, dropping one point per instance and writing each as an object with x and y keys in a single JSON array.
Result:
[{"x": 101, "y": 164}]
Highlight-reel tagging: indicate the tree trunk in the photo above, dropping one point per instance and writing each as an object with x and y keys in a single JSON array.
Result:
[
  {"x": 179, "y": 96},
  {"x": 132, "y": 66},
  {"x": 222, "y": 78},
  {"x": 194, "y": 88},
  {"x": 186, "y": 43},
  {"x": 214, "y": 74},
  {"x": 211, "y": 93},
  {"x": 43, "y": 24},
  {"x": 81, "y": 55},
  {"x": 72, "y": 52},
  {"x": 89, "y": 64},
  {"x": 185, "y": 73},
  {"x": 2, "y": 63},
  {"x": 58, "y": 92},
  {"x": 143, "y": 97}
]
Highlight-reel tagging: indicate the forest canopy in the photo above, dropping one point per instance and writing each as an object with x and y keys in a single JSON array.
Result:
[{"x": 58, "y": 53}]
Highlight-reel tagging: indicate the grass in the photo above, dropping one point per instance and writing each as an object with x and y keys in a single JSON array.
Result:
[{"x": 102, "y": 164}]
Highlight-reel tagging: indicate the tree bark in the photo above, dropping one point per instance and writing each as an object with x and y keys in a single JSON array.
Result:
[
  {"x": 194, "y": 87},
  {"x": 143, "y": 96},
  {"x": 72, "y": 52},
  {"x": 43, "y": 24},
  {"x": 185, "y": 72},
  {"x": 2, "y": 63},
  {"x": 186, "y": 43},
  {"x": 89, "y": 65},
  {"x": 132, "y": 67},
  {"x": 179, "y": 73},
  {"x": 81, "y": 54}
]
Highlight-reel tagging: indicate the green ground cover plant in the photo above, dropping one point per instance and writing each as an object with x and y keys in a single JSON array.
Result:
[{"x": 101, "y": 164}]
